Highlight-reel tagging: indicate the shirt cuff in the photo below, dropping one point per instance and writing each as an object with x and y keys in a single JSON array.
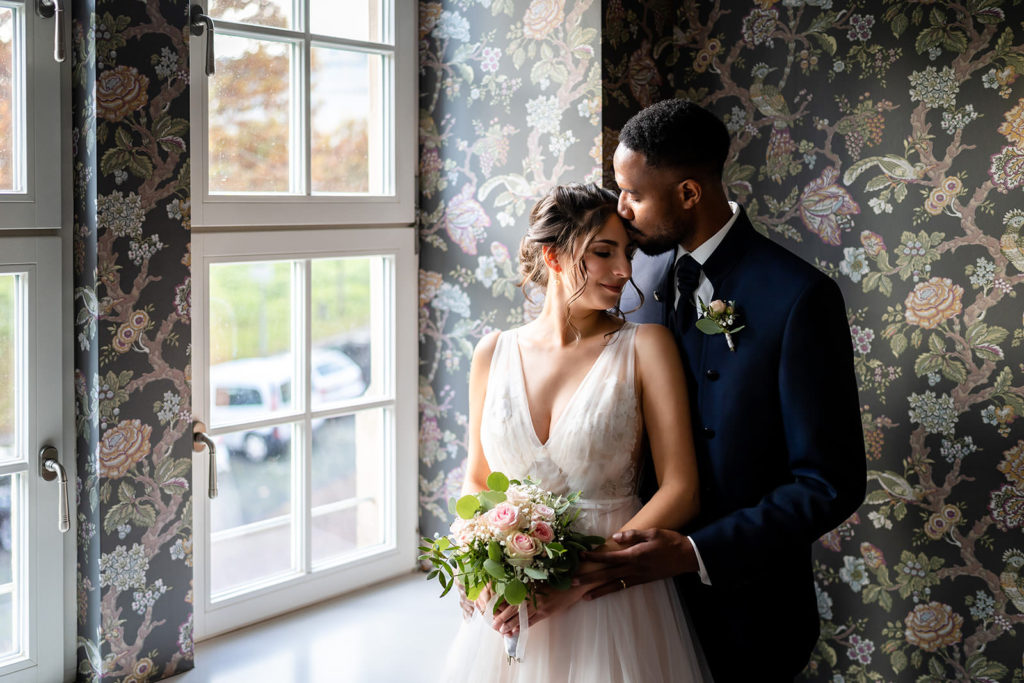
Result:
[{"x": 701, "y": 571}]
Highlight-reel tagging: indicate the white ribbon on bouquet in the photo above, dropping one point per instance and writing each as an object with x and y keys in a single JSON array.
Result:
[{"x": 515, "y": 644}]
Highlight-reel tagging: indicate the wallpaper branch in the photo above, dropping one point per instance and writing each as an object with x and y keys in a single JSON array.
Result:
[
  {"x": 883, "y": 141},
  {"x": 133, "y": 328}
]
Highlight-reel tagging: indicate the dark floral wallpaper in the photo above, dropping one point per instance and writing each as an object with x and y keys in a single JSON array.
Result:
[
  {"x": 132, "y": 326},
  {"x": 509, "y": 106},
  {"x": 884, "y": 142}
]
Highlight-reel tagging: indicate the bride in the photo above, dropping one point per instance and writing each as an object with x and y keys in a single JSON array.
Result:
[{"x": 565, "y": 400}]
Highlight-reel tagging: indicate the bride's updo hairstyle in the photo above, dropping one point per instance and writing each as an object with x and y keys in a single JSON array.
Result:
[{"x": 566, "y": 219}]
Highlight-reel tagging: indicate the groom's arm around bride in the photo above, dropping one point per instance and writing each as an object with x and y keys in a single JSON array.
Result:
[{"x": 776, "y": 421}]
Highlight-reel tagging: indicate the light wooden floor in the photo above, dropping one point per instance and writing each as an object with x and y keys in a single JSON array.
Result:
[{"x": 384, "y": 634}]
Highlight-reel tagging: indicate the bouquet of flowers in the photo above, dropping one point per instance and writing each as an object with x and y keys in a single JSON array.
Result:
[{"x": 513, "y": 536}]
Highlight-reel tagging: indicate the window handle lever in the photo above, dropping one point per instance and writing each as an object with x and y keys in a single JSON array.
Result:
[
  {"x": 50, "y": 469},
  {"x": 199, "y": 21},
  {"x": 55, "y": 9},
  {"x": 200, "y": 439}
]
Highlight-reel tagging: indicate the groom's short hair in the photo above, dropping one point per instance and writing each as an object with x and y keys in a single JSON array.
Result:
[{"x": 678, "y": 134}]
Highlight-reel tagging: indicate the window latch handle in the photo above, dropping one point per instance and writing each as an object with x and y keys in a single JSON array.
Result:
[
  {"x": 55, "y": 9},
  {"x": 50, "y": 469},
  {"x": 200, "y": 439},
  {"x": 199, "y": 20}
]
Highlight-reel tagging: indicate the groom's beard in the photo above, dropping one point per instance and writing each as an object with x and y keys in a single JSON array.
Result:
[{"x": 655, "y": 244}]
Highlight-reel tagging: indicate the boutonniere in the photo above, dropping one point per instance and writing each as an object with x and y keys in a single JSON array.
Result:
[{"x": 718, "y": 317}]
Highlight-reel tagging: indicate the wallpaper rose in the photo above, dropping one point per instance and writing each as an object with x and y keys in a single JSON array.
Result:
[
  {"x": 132, "y": 323},
  {"x": 883, "y": 141},
  {"x": 509, "y": 106}
]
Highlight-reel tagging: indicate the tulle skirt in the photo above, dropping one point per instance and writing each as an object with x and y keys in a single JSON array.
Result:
[{"x": 637, "y": 635}]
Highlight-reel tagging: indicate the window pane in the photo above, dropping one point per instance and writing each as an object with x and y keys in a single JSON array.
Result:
[
  {"x": 251, "y": 117},
  {"x": 9, "y": 639},
  {"x": 348, "y": 329},
  {"x": 347, "y": 118},
  {"x": 251, "y": 517},
  {"x": 8, "y": 356},
  {"x": 252, "y": 359},
  {"x": 262, "y": 12},
  {"x": 353, "y": 19},
  {"x": 10, "y": 162},
  {"x": 350, "y": 454}
]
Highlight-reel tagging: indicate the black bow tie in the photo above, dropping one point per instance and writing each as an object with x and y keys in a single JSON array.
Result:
[{"x": 687, "y": 278}]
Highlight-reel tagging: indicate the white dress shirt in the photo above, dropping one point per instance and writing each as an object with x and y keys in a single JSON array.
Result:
[{"x": 705, "y": 290}]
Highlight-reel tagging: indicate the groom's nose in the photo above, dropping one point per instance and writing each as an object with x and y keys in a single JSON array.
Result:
[{"x": 623, "y": 208}]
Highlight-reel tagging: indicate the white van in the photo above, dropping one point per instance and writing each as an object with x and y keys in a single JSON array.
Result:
[{"x": 252, "y": 389}]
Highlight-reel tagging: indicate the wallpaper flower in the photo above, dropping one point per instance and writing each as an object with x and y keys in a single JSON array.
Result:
[
  {"x": 882, "y": 141},
  {"x": 132, "y": 376}
]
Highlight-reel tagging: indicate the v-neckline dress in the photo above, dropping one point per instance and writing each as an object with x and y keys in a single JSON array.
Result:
[{"x": 638, "y": 635}]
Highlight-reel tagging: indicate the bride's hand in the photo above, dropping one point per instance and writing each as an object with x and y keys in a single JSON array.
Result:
[
  {"x": 483, "y": 599},
  {"x": 546, "y": 604}
]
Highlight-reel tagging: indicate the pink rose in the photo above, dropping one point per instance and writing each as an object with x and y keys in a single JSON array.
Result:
[
  {"x": 504, "y": 516},
  {"x": 717, "y": 307},
  {"x": 520, "y": 546},
  {"x": 543, "y": 532},
  {"x": 516, "y": 496},
  {"x": 543, "y": 512}
]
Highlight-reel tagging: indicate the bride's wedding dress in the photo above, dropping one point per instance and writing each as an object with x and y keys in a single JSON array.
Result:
[{"x": 636, "y": 635}]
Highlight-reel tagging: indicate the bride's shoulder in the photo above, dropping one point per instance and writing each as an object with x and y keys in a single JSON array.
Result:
[
  {"x": 654, "y": 346},
  {"x": 487, "y": 344},
  {"x": 652, "y": 335}
]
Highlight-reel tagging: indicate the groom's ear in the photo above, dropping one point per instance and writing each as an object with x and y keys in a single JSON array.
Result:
[{"x": 689, "y": 191}]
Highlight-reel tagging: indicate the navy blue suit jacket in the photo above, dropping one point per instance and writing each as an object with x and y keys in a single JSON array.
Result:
[{"x": 779, "y": 444}]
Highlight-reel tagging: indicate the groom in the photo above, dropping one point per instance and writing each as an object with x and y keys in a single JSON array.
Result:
[{"x": 777, "y": 426}]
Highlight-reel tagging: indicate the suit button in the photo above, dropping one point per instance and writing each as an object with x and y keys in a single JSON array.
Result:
[
  {"x": 657, "y": 296},
  {"x": 709, "y": 433},
  {"x": 711, "y": 374}
]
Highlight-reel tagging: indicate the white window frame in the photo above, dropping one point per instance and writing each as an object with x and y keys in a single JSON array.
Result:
[
  {"x": 398, "y": 553},
  {"x": 272, "y": 210},
  {"x": 38, "y": 204},
  {"x": 43, "y": 571}
]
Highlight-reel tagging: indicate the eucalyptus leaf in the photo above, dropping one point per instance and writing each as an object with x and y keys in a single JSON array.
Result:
[
  {"x": 494, "y": 569},
  {"x": 491, "y": 498},
  {"x": 709, "y": 326},
  {"x": 535, "y": 573},
  {"x": 494, "y": 552},
  {"x": 467, "y": 506},
  {"x": 496, "y": 481},
  {"x": 515, "y": 592}
]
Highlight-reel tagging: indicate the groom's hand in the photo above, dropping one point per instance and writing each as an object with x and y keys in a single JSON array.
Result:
[{"x": 646, "y": 555}]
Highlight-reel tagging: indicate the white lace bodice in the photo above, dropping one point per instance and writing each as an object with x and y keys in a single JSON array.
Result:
[{"x": 594, "y": 445}]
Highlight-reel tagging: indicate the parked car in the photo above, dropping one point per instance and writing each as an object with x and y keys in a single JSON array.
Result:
[
  {"x": 336, "y": 377},
  {"x": 246, "y": 390},
  {"x": 252, "y": 389}
]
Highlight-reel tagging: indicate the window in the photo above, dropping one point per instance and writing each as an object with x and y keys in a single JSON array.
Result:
[
  {"x": 310, "y": 115},
  {"x": 304, "y": 340},
  {"x": 30, "y": 169}
]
